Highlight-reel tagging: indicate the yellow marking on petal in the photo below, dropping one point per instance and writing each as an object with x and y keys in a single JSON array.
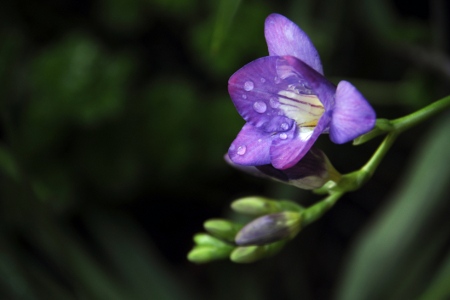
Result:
[
  {"x": 312, "y": 123},
  {"x": 306, "y": 110}
]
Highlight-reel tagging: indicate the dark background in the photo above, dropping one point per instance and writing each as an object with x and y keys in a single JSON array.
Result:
[{"x": 115, "y": 118}]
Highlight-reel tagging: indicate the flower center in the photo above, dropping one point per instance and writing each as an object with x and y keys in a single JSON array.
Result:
[
  {"x": 304, "y": 109},
  {"x": 297, "y": 100}
]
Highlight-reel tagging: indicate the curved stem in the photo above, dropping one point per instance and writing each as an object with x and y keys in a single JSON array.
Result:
[
  {"x": 378, "y": 156},
  {"x": 317, "y": 210},
  {"x": 406, "y": 122},
  {"x": 354, "y": 180}
]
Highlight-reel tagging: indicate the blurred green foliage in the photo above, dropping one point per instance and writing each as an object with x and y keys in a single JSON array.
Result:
[{"x": 114, "y": 121}]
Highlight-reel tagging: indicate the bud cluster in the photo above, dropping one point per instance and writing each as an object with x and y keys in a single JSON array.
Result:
[{"x": 273, "y": 224}]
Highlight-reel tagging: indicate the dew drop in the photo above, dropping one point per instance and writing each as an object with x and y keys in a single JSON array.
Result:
[
  {"x": 283, "y": 135},
  {"x": 277, "y": 80},
  {"x": 241, "y": 150},
  {"x": 248, "y": 86},
  {"x": 244, "y": 96},
  {"x": 259, "y": 107},
  {"x": 263, "y": 80},
  {"x": 274, "y": 103},
  {"x": 284, "y": 126}
]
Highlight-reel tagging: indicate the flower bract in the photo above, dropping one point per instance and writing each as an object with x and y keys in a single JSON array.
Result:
[
  {"x": 311, "y": 172},
  {"x": 287, "y": 102}
]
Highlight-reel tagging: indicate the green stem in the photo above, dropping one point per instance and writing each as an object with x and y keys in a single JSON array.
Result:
[
  {"x": 354, "y": 180},
  {"x": 370, "y": 167},
  {"x": 406, "y": 122},
  {"x": 317, "y": 210},
  {"x": 399, "y": 125}
]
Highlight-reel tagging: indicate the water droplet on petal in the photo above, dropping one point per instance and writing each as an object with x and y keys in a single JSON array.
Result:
[
  {"x": 283, "y": 135},
  {"x": 241, "y": 150},
  {"x": 248, "y": 86},
  {"x": 244, "y": 96},
  {"x": 274, "y": 103},
  {"x": 259, "y": 107},
  {"x": 277, "y": 80},
  {"x": 263, "y": 80},
  {"x": 284, "y": 126}
]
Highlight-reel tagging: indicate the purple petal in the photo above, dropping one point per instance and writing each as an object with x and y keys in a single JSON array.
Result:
[
  {"x": 251, "y": 147},
  {"x": 283, "y": 37},
  {"x": 252, "y": 170},
  {"x": 352, "y": 115},
  {"x": 286, "y": 153},
  {"x": 324, "y": 89},
  {"x": 255, "y": 89},
  {"x": 268, "y": 91}
]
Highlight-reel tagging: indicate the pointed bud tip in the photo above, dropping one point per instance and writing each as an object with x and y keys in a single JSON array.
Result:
[
  {"x": 270, "y": 228},
  {"x": 255, "y": 206},
  {"x": 222, "y": 228},
  {"x": 204, "y": 239},
  {"x": 205, "y": 254}
]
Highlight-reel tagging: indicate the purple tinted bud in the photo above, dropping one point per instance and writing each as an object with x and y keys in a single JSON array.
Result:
[{"x": 269, "y": 228}]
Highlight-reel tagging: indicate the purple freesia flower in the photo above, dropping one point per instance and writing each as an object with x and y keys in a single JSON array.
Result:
[{"x": 287, "y": 102}]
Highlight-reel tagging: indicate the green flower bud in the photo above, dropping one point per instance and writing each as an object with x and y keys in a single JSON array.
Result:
[
  {"x": 249, "y": 254},
  {"x": 223, "y": 229},
  {"x": 205, "y": 254},
  {"x": 208, "y": 248},
  {"x": 255, "y": 206},
  {"x": 270, "y": 228},
  {"x": 204, "y": 239}
]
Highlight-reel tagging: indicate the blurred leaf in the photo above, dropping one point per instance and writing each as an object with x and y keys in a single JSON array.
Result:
[
  {"x": 54, "y": 185},
  {"x": 403, "y": 245},
  {"x": 180, "y": 8},
  {"x": 49, "y": 287},
  {"x": 7, "y": 163},
  {"x": 89, "y": 278},
  {"x": 225, "y": 15},
  {"x": 140, "y": 266},
  {"x": 382, "y": 20},
  {"x": 13, "y": 276},
  {"x": 10, "y": 66},
  {"x": 172, "y": 109},
  {"x": 238, "y": 46},
  {"x": 108, "y": 158},
  {"x": 73, "y": 82},
  {"x": 439, "y": 287},
  {"x": 122, "y": 16}
]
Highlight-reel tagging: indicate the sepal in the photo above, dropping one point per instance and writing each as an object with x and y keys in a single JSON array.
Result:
[
  {"x": 249, "y": 254},
  {"x": 208, "y": 248}
]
